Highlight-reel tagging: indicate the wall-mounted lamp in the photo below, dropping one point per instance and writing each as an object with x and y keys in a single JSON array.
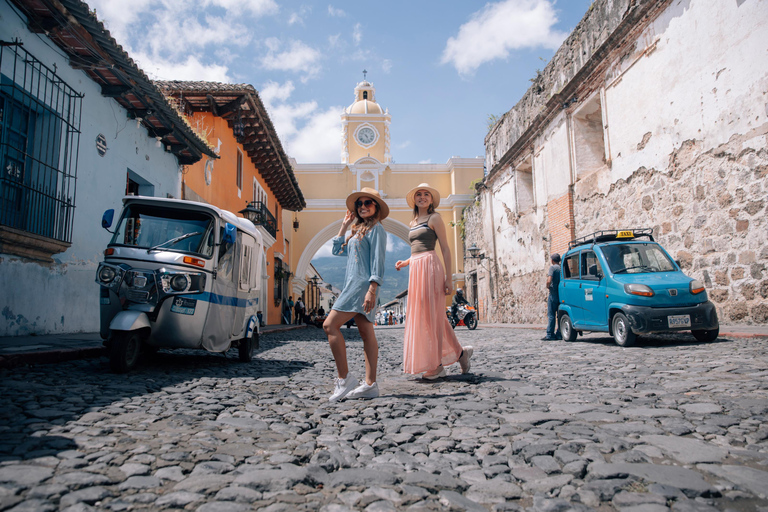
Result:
[
  {"x": 295, "y": 222},
  {"x": 251, "y": 213},
  {"x": 473, "y": 251}
]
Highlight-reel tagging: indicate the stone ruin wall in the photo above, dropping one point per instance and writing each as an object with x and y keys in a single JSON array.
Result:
[
  {"x": 707, "y": 210},
  {"x": 520, "y": 295},
  {"x": 593, "y": 30}
]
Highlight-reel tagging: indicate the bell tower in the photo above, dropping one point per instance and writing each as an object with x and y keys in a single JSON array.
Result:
[{"x": 365, "y": 128}]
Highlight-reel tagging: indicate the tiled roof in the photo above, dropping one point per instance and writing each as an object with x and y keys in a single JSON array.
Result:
[
  {"x": 241, "y": 102},
  {"x": 72, "y": 26}
]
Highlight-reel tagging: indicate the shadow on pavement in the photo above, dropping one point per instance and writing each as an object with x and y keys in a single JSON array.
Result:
[{"x": 36, "y": 399}]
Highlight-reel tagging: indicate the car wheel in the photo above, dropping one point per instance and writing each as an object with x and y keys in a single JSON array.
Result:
[
  {"x": 471, "y": 323},
  {"x": 124, "y": 351},
  {"x": 566, "y": 328},
  {"x": 247, "y": 346},
  {"x": 622, "y": 334},
  {"x": 706, "y": 336}
]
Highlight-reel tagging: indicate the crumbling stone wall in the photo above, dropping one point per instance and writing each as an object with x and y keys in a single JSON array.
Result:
[
  {"x": 512, "y": 285},
  {"x": 707, "y": 210},
  {"x": 599, "y": 22}
]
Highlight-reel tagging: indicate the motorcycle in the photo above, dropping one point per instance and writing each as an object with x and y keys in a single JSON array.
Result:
[{"x": 466, "y": 314}]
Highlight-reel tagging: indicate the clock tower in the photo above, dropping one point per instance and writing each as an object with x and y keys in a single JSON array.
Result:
[{"x": 365, "y": 128}]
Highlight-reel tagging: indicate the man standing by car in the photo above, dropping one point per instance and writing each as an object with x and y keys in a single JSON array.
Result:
[{"x": 553, "y": 281}]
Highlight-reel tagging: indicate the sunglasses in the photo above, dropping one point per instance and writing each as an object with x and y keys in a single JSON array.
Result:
[{"x": 367, "y": 203}]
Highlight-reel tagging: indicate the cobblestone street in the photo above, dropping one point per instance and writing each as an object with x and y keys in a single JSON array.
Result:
[{"x": 671, "y": 424}]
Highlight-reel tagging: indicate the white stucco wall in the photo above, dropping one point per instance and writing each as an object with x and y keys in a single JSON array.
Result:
[
  {"x": 64, "y": 297},
  {"x": 698, "y": 83}
]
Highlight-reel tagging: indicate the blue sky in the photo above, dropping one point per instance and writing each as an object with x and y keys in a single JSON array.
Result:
[{"x": 441, "y": 67}]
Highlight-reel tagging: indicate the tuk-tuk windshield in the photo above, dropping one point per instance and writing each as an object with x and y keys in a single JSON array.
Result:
[
  {"x": 637, "y": 258},
  {"x": 165, "y": 229}
]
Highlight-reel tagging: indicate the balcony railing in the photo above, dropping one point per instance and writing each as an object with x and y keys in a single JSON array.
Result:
[{"x": 258, "y": 213}]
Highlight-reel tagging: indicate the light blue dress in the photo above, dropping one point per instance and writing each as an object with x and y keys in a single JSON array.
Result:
[{"x": 365, "y": 263}]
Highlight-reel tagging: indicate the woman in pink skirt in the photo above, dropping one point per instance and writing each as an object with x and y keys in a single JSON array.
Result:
[{"x": 430, "y": 343}]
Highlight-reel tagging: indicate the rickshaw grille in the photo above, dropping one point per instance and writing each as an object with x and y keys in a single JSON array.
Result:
[{"x": 137, "y": 296}]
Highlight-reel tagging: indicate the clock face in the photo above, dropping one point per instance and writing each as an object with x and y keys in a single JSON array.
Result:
[{"x": 366, "y": 135}]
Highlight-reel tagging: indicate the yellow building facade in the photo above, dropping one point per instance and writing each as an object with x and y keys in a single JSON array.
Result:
[{"x": 366, "y": 161}]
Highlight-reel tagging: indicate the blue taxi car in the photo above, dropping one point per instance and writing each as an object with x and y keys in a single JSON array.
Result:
[{"x": 624, "y": 283}]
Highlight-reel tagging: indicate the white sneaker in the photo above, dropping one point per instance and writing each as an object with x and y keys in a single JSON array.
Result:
[
  {"x": 437, "y": 373},
  {"x": 364, "y": 391},
  {"x": 464, "y": 359},
  {"x": 343, "y": 387}
]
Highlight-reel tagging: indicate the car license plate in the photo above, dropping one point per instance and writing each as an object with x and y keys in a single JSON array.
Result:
[{"x": 679, "y": 320}]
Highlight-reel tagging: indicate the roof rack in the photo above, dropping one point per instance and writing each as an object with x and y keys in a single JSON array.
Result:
[{"x": 612, "y": 235}]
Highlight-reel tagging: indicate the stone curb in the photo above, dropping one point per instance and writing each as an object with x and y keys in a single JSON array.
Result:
[{"x": 61, "y": 355}]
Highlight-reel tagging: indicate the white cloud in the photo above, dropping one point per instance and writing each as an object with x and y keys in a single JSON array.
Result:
[
  {"x": 499, "y": 28},
  {"x": 336, "y": 13},
  {"x": 298, "y": 58},
  {"x": 333, "y": 40},
  {"x": 386, "y": 66},
  {"x": 319, "y": 139},
  {"x": 253, "y": 7},
  {"x": 308, "y": 134},
  {"x": 158, "y": 68},
  {"x": 272, "y": 91},
  {"x": 300, "y": 15},
  {"x": 357, "y": 33},
  {"x": 324, "y": 251}
]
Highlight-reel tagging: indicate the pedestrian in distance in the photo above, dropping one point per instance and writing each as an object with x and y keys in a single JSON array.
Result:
[
  {"x": 430, "y": 343},
  {"x": 553, "y": 299},
  {"x": 365, "y": 250},
  {"x": 299, "y": 317}
]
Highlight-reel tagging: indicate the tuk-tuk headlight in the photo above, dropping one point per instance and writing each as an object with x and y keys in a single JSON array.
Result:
[
  {"x": 638, "y": 289},
  {"x": 179, "y": 282},
  {"x": 182, "y": 282},
  {"x": 696, "y": 287},
  {"x": 107, "y": 274}
]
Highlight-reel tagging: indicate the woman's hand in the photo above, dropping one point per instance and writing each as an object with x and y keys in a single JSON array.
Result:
[
  {"x": 348, "y": 219},
  {"x": 448, "y": 285},
  {"x": 370, "y": 299},
  {"x": 400, "y": 264}
]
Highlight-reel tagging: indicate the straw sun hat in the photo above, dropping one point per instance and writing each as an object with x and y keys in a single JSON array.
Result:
[
  {"x": 373, "y": 194},
  {"x": 423, "y": 186}
]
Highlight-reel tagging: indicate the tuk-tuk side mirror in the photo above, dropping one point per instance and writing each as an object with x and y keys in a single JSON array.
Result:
[
  {"x": 230, "y": 234},
  {"x": 106, "y": 219}
]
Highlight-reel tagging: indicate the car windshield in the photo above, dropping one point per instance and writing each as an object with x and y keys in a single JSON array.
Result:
[
  {"x": 636, "y": 258},
  {"x": 166, "y": 229}
]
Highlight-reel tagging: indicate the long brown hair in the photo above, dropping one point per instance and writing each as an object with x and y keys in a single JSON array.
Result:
[
  {"x": 362, "y": 226},
  {"x": 430, "y": 211}
]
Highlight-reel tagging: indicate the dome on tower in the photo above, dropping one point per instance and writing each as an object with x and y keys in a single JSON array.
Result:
[{"x": 365, "y": 100}]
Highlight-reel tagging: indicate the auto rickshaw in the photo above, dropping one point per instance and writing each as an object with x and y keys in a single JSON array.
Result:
[{"x": 179, "y": 274}]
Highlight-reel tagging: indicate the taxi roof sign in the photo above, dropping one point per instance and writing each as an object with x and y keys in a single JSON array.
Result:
[{"x": 612, "y": 235}]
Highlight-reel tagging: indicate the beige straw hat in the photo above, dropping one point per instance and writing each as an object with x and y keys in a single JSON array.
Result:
[
  {"x": 423, "y": 186},
  {"x": 373, "y": 194}
]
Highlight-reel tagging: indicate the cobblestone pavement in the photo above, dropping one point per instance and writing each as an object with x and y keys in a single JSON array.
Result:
[{"x": 671, "y": 424}]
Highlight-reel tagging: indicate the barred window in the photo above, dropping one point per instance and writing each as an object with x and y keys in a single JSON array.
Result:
[{"x": 39, "y": 142}]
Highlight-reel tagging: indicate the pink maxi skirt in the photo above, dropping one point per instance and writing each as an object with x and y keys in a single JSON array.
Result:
[{"x": 429, "y": 338}]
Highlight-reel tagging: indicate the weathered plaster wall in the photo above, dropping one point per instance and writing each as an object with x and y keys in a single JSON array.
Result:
[
  {"x": 684, "y": 104},
  {"x": 63, "y": 297}
]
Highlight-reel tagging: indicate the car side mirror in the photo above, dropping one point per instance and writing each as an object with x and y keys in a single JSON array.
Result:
[{"x": 230, "y": 234}]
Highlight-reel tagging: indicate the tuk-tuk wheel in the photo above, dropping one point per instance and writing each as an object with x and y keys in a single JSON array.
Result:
[
  {"x": 247, "y": 346},
  {"x": 125, "y": 350}
]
